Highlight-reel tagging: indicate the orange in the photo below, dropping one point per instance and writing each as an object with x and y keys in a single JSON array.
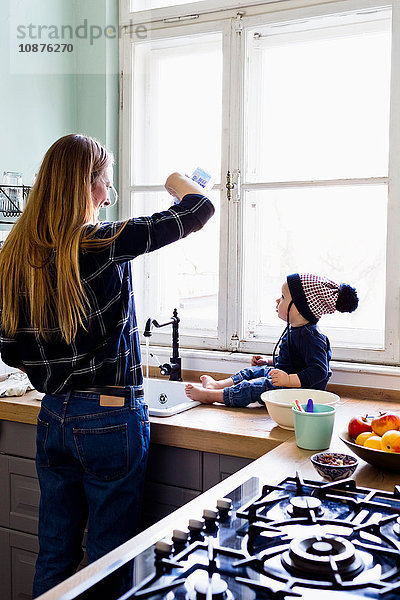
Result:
[
  {"x": 391, "y": 441},
  {"x": 375, "y": 441},
  {"x": 362, "y": 437}
]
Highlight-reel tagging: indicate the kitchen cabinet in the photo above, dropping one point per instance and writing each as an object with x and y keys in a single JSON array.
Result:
[
  {"x": 19, "y": 509},
  {"x": 174, "y": 477},
  {"x": 17, "y": 566},
  {"x": 177, "y": 475}
]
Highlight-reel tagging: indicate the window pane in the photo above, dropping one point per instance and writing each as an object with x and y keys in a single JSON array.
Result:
[
  {"x": 183, "y": 275},
  {"x": 177, "y": 107},
  {"x": 318, "y": 99},
  {"x": 338, "y": 232}
]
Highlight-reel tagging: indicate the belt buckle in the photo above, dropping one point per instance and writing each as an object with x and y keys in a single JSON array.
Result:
[{"x": 111, "y": 400}]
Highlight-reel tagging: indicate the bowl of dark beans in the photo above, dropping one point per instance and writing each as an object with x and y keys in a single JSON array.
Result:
[{"x": 333, "y": 465}]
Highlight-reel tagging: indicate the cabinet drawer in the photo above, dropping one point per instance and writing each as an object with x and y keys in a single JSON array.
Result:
[
  {"x": 231, "y": 464},
  {"x": 18, "y": 439},
  {"x": 20, "y": 495},
  {"x": 17, "y": 566},
  {"x": 217, "y": 467},
  {"x": 18, "y": 553},
  {"x": 161, "y": 500},
  {"x": 175, "y": 466}
]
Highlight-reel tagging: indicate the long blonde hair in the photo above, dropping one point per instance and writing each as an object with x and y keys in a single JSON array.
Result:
[{"x": 40, "y": 257}]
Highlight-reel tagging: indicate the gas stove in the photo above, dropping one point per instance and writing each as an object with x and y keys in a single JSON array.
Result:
[{"x": 297, "y": 539}]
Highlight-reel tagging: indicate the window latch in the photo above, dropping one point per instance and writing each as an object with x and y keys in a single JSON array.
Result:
[
  {"x": 233, "y": 183},
  {"x": 237, "y": 23},
  {"x": 181, "y": 18},
  {"x": 235, "y": 342}
]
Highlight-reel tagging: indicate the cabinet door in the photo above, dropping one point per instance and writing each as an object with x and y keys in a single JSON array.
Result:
[
  {"x": 217, "y": 467},
  {"x": 20, "y": 494},
  {"x": 161, "y": 500},
  {"x": 5, "y": 564},
  {"x": 18, "y": 554},
  {"x": 175, "y": 466},
  {"x": 17, "y": 565},
  {"x": 18, "y": 439}
]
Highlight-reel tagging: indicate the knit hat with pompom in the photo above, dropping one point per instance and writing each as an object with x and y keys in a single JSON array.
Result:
[{"x": 315, "y": 296}]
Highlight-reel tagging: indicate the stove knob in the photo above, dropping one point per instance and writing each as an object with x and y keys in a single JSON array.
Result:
[
  {"x": 196, "y": 527},
  {"x": 224, "y": 505},
  {"x": 180, "y": 539},
  {"x": 210, "y": 517},
  {"x": 179, "y": 535},
  {"x": 163, "y": 548}
]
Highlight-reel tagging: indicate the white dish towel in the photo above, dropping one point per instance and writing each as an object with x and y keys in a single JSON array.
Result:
[{"x": 16, "y": 384}]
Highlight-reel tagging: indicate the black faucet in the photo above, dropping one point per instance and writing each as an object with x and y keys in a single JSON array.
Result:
[{"x": 173, "y": 368}]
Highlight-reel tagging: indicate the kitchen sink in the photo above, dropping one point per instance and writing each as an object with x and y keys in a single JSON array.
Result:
[{"x": 166, "y": 398}]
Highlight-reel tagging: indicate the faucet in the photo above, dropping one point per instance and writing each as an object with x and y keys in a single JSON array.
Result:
[{"x": 173, "y": 368}]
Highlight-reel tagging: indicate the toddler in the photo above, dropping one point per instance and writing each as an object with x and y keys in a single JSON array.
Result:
[{"x": 304, "y": 352}]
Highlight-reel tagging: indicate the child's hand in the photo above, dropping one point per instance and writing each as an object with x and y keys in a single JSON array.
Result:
[
  {"x": 258, "y": 361},
  {"x": 179, "y": 185},
  {"x": 279, "y": 378}
]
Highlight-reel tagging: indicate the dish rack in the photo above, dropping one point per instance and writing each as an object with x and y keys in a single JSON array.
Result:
[{"x": 12, "y": 200}]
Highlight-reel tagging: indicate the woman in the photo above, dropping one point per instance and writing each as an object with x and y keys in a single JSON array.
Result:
[{"x": 68, "y": 320}]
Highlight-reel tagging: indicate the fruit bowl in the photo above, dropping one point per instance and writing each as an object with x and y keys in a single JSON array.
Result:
[
  {"x": 279, "y": 403},
  {"x": 378, "y": 458},
  {"x": 337, "y": 471}
]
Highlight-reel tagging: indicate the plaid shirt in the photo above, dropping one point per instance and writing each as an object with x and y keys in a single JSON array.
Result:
[{"x": 108, "y": 353}]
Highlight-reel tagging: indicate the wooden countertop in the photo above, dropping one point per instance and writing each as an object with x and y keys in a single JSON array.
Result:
[{"x": 244, "y": 432}]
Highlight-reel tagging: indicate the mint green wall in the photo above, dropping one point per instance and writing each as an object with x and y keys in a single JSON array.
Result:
[{"x": 43, "y": 97}]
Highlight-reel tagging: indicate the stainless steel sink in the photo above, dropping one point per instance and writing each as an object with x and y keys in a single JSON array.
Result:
[{"x": 166, "y": 398}]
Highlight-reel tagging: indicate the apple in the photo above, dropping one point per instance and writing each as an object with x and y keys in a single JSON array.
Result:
[
  {"x": 385, "y": 421},
  {"x": 391, "y": 441},
  {"x": 359, "y": 424}
]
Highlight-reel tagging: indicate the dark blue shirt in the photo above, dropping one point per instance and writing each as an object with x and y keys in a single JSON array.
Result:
[
  {"x": 108, "y": 353},
  {"x": 307, "y": 354}
]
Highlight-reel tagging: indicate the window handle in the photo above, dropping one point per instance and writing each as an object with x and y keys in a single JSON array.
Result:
[{"x": 233, "y": 182}]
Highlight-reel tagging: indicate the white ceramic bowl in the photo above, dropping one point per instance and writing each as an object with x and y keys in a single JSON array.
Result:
[{"x": 279, "y": 403}]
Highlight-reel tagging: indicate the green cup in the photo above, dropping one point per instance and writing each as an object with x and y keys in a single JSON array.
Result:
[{"x": 314, "y": 430}]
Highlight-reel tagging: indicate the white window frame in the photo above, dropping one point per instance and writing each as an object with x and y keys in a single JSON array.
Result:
[{"x": 244, "y": 15}]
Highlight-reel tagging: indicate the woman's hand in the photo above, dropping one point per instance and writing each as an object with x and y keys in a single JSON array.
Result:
[
  {"x": 178, "y": 185},
  {"x": 258, "y": 361}
]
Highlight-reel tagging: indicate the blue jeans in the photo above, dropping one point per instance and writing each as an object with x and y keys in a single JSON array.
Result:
[
  {"x": 249, "y": 385},
  {"x": 91, "y": 463}
]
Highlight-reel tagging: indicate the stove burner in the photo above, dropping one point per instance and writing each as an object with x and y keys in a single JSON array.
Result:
[
  {"x": 321, "y": 548},
  {"x": 321, "y": 557},
  {"x": 396, "y": 527},
  {"x": 303, "y": 506},
  {"x": 212, "y": 588}
]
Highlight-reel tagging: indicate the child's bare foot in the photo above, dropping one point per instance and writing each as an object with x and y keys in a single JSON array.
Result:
[
  {"x": 204, "y": 395},
  {"x": 209, "y": 382}
]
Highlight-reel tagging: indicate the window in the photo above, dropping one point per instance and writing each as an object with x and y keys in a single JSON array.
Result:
[
  {"x": 299, "y": 106},
  {"x": 177, "y": 112}
]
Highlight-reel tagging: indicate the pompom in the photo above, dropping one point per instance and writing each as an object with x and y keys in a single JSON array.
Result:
[{"x": 347, "y": 300}]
